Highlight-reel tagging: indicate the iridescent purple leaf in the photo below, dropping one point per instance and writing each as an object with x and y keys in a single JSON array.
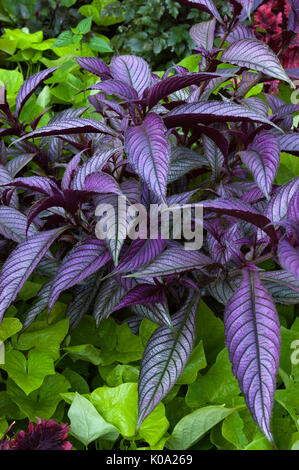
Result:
[
  {"x": 6, "y": 179},
  {"x": 293, "y": 209},
  {"x": 96, "y": 66},
  {"x": 174, "y": 260},
  {"x": 132, "y": 70},
  {"x": 141, "y": 294},
  {"x": 21, "y": 263},
  {"x": 282, "y": 285},
  {"x": 118, "y": 88},
  {"x": 39, "y": 305},
  {"x": 294, "y": 16},
  {"x": 289, "y": 257},
  {"x": 252, "y": 332},
  {"x": 202, "y": 34},
  {"x": 183, "y": 160},
  {"x": 109, "y": 296},
  {"x": 83, "y": 298},
  {"x": 101, "y": 182},
  {"x": 17, "y": 163},
  {"x": 141, "y": 253},
  {"x": 82, "y": 260},
  {"x": 256, "y": 55},
  {"x": 262, "y": 158},
  {"x": 241, "y": 31},
  {"x": 213, "y": 155},
  {"x": 30, "y": 85},
  {"x": 290, "y": 143},
  {"x": 148, "y": 151},
  {"x": 13, "y": 224},
  {"x": 157, "y": 313},
  {"x": 165, "y": 357},
  {"x": 203, "y": 5},
  {"x": 40, "y": 184},
  {"x": 279, "y": 203},
  {"x": 70, "y": 170}
]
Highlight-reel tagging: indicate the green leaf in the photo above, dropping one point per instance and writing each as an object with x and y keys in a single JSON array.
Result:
[
  {"x": 29, "y": 290},
  {"x": 217, "y": 386},
  {"x": 28, "y": 374},
  {"x": 87, "y": 424},
  {"x": 128, "y": 347},
  {"x": 289, "y": 399},
  {"x": 154, "y": 426},
  {"x": 197, "y": 361},
  {"x": 85, "y": 352},
  {"x": 46, "y": 339},
  {"x": 85, "y": 25},
  {"x": 67, "y": 3},
  {"x": 210, "y": 329},
  {"x": 9, "y": 327},
  {"x": 195, "y": 425},
  {"x": 64, "y": 39},
  {"x": 99, "y": 45},
  {"x": 77, "y": 382},
  {"x": 232, "y": 430},
  {"x": 121, "y": 373}
]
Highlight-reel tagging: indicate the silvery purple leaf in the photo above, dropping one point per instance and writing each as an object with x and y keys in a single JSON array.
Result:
[
  {"x": 282, "y": 285},
  {"x": 13, "y": 224},
  {"x": 40, "y": 184},
  {"x": 255, "y": 55},
  {"x": 262, "y": 158},
  {"x": 290, "y": 143},
  {"x": 157, "y": 313},
  {"x": 247, "y": 5},
  {"x": 101, "y": 182},
  {"x": 140, "y": 253},
  {"x": 257, "y": 105},
  {"x": 278, "y": 205},
  {"x": 108, "y": 297},
  {"x": 202, "y": 34},
  {"x": 165, "y": 357},
  {"x": 213, "y": 154},
  {"x": 96, "y": 66},
  {"x": 252, "y": 332},
  {"x": 39, "y": 305},
  {"x": 70, "y": 170},
  {"x": 148, "y": 151},
  {"x": 17, "y": 163},
  {"x": 241, "y": 31},
  {"x": 183, "y": 160},
  {"x": 92, "y": 165},
  {"x": 249, "y": 79},
  {"x": 141, "y": 294},
  {"x": 66, "y": 115},
  {"x": 131, "y": 189},
  {"x": 212, "y": 85},
  {"x": 212, "y": 111},
  {"x": 30, "y": 85},
  {"x": 82, "y": 301},
  {"x": 293, "y": 72},
  {"x": 132, "y": 70},
  {"x": 6, "y": 179},
  {"x": 236, "y": 208},
  {"x": 223, "y": 289},
  {"x": 293, "y": 209},
  {"x": 82, "y": 260},
  {"x": 203, "y": 5},
  {"x": 118, "y": 88},
  {"x": 294, "y": 16},
  {"x": 21, "y": 263},
  {"x": 289, "y": 257},
  {"x": 169, "y": 85},
  {"x": 174, "y": 260}
]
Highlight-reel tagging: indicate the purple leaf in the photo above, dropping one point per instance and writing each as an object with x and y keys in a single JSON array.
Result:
[
  {"x": 13, "y": 224},
  {"x": 213, "y": 155},
  {"x": 212, "y": 111},
  {"x": 247, "y": 5},
  {"x": 109, "y": 296},
  {"x": 236, "y": 208},
  {"x": 21, "y": 263},
  {"x": 183, "y": 160},
  {"x": 289, "y": 257},
  {"x": 294, "y": 16},
  {"x": 169, "y": 85},
  {"x": 203, "y": 5},
  {"x": 82, "y": 301},
  {"x": 249, "y": 79},
  {"x": 173, "y": 260},
  {"x": 148, "y": 151},
  {"x": 141, "y": 294},
  {"x": 157, "y": 313},
  {"x": 118, "y": 88},
  {"x": 29, "y": 87},
  {"x": 256, "y": 55},
  {"x": 70, "y": 170},
  {"x": 39, "y": 305},
  {"x": 40, "y": 184},
  {"x": 278, "y": 205},
  {"x": 293, "y": 208},
  {"x": 282, "y": 285},
  {"x": 96, "y": 66},
  {"x": 290, "y": 143},
  {"x": 131, "y": 70},
  {"x": 82, "y": 260},
  {"x": 17, "y": 163},
  {"x": 5, "y": 179},
  {"x": 165, "y": 357},
  {"x": 241, "y": 31},
  {"x": 252, "y": 332},
  {"x": 101, "y": 183},
  {"x": 293, "y": 72},
  {"x": 262, "y": 159},
  {"x": 202, "y": 34}
]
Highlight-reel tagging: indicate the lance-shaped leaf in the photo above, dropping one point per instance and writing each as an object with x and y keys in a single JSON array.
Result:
[
  {"x": 17, "y": 163},
  {"x": 92, "y": 165},
  {"x": 241, "y": 31},
  {"x": 262, "y": 160},
  {"x": 71, "y": 126},
  {"x": 69, "y": 171},
  {"x": 132, "y": 70},
  {"x": 96, "y": 66},
  {"x": 212, "y": 111},
  {"x": 39, "y": 305},
  {"x": 30, "y": 85},
  {"x": 290, "y": 143},
  {"x": 84, "y": 259},
  {"x": 255, "y": 55},
  {"x": 203, "y": 5},
  {"x": 141, "y": 253},
  {"x": 109, "y": 296},
  {"x": 169, "y": 85},
  {"x": 101, "y": 182},
  {"x": 289, "y": 257},
  {"x": 13, "y": 224},
  {"x": 236, "y": 208},
  {"x": 279, "y": 203},
  {"x": 165, "y": 357},
  {"x": 5, "y": 179},
  {"x": 21, "y": 263},
  {"x": 183, "y": 160},
  {"x": 213, "y": 154},
  {"x": 141, "y": 294},
  {"x": 40, "y": 184},
  {"x": 282, "y": 285},
  {"x": 118, "y": 88},
  {"x": 157, "y": 313},
  {"x": 148, "y": 151},
  {"x": 173, "y": 260},
  {"x": 252, "y": 332},
  {"x": 202, "y": 34}
]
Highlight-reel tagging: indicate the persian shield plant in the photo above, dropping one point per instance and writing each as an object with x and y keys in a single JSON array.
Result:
[{"x": 200, "y": 138}]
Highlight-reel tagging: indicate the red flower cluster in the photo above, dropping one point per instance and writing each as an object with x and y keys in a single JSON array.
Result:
[{"x": 45, "y": 435}]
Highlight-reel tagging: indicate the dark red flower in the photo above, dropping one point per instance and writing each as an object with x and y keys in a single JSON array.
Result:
[{"x": 45, "y": 435}]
